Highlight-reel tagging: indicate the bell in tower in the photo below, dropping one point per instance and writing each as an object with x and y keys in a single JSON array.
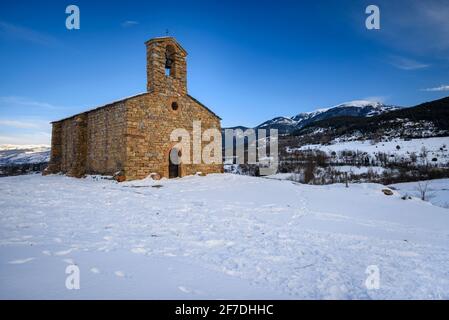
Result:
[{"x": 169, "y": 60}]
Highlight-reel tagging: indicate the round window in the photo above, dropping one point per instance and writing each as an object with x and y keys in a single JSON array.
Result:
[{"x": 174, "y": 106}]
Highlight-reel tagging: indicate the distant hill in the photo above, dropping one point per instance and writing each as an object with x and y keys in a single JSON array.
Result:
[
  {"x": 20, "y": 159},
  {"x": 21, "y": 154}
]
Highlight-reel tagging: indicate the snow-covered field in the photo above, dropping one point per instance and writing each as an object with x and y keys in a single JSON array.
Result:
[
  {"x": 437, "y": 147},
  {"x": 437, "y": 191},
  {"x": 219, "y": 236}
]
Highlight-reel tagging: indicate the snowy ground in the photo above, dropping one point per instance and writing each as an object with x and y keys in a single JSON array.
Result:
[
  {"x": 437, "y": 191},
  {"x": 437, "y": 147},
  {"x": 220, "y": 236}
]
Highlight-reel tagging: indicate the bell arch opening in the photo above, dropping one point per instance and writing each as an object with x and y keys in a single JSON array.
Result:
[{"x": 170, "y": 60}]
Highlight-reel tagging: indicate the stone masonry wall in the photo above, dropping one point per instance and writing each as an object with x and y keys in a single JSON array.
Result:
[
  {"x": 105, "y": 140},
  {"x": 54, "y": 165},
  {"x": 150, "y": 121},
  {"x": 73, "y": 145},
  {"x": 131, "y": 136},
  {"x": 91, "y": 142}
]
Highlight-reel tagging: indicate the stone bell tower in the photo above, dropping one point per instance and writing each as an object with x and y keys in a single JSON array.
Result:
[{"x": 166, "y": 67}]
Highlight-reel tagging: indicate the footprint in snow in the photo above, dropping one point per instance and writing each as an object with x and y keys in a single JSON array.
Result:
[
  {"x": 63, "y": 252},
  {"x": 95, "y": 270},
  {"x": 21, "y": 261},
  {"x": 189, "y": 291},
  {"x": 184, "y": 289},
  {"x": 138, "y": 250},
  {"x": 119, "y": 274},
  {"x": 69, "y": 261},
  {"x": 169, "y": 254}
]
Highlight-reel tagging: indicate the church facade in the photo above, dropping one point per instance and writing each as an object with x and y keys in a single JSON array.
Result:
[{"x": 130, "y": 138}]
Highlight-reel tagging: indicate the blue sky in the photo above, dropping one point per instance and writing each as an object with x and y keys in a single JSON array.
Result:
[{"x": 249, "y": 61}]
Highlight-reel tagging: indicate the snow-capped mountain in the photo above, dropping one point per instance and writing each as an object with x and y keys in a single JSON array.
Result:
[
  {"x": 283, "y": 124},
  {"x": 23, "y": 154},
  {"x": 428, "y": 119},
  {"x": 357, "y": 108}
]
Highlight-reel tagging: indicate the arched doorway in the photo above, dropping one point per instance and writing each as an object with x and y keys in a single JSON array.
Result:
[{"x": 174, "y": 163}]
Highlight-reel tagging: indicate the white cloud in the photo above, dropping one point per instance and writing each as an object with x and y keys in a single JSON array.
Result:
[
  {"x": 404, "y": 63},
  {"x": 440, "y": 88},
  {"x": 31, "y": 127},
  {"x": 25, "y": 131},
  {"x": 13, "y": 31},
  {"x": 15, "y": 101},
  {"x": 129, "y": 23},
  {"x": 416, "y": 26},
  {"x": 381, "y": 99},
  {"x": 23, "y": 124},
  {"x": 26, "y": 138}
]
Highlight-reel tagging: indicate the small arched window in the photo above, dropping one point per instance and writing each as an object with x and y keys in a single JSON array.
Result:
[{"x": 174, "y": 106}]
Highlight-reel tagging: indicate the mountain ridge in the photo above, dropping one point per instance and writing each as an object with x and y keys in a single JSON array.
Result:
[
  {"x": 423, "y": 120},
  {"x": 356, "y": 108}
]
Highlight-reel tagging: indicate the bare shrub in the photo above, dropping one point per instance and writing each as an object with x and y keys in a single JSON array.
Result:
[{"x": 423, "y": 187}]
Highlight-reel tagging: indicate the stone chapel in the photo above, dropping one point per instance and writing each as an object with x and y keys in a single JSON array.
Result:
[{"x": 130, "y": 138}]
